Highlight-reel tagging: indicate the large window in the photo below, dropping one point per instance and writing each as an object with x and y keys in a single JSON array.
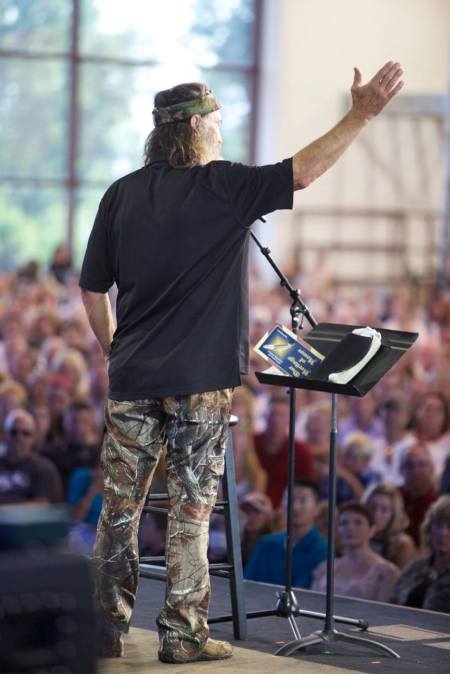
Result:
[{"x": 78, "y": 78}]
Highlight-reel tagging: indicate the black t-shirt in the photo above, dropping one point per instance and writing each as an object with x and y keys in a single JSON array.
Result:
[
  {"x": 28, "y": 478},
  {"x": 175, "y": 241}
]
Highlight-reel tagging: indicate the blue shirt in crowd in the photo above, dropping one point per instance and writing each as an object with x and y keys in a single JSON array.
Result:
[
  {"x": 267, "y": 563},
  {"x": 79, "y": 483}
]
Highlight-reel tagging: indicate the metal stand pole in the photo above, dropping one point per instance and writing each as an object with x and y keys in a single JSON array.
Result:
[
  {"x": 287, "y": 605},
  {"x": 287, "y": 601},
  {"x": 329, "y": 634}
]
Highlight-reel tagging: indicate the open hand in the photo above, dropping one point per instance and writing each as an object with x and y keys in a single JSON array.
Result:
[{"x": 369, "y": 99}]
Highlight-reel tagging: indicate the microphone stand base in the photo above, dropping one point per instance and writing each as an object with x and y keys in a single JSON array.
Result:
[{"x": 332, "y": 636}]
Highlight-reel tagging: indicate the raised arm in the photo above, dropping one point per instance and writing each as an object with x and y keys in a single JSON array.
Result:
[{"x": 367, "y": 101}]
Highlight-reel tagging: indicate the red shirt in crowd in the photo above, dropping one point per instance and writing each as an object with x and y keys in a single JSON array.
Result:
[
  {"x": 276, "y": 466},
  {"x": 415, "y": 508}
]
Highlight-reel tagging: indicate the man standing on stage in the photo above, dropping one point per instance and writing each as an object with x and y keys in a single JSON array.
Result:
[{"x": 173, "y": 236}]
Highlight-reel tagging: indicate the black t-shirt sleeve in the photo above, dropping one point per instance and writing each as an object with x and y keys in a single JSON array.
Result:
[
  {"x": 96, "y": 271},
  {"x": 257, "y": 190}
]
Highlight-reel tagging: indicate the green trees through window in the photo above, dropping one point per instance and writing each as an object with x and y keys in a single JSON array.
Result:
[{"x": 85, "y": 72}]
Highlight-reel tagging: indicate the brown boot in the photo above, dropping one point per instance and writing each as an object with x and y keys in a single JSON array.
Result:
[{"x": 212, "y": 650}]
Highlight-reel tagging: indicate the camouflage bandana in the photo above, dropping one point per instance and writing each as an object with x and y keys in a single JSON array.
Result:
[{"x": 183, "y": 110}]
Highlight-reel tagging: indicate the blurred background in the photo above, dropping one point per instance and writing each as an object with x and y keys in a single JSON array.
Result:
[{"x": 78, "y": 79}]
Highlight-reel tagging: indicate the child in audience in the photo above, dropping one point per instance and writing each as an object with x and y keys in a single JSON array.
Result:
[{"x": 267, "y": 563}]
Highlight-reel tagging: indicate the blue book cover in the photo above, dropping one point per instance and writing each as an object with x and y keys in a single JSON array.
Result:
[{"x": 289, "y": 353}]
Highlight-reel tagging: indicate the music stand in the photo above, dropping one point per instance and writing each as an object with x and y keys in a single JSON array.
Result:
[
  {"x": 287, "y": 605},
  {"x": 325, "y": 337}
]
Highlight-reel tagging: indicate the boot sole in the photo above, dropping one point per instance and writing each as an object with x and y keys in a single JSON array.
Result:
[{"x": 197, "y": 658}]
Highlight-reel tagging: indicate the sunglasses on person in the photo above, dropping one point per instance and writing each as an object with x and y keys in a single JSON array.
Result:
[{"x": 20, "y": 431}]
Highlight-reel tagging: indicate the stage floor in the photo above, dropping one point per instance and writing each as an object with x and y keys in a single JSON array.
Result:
[{"x": 421, "y": 638}]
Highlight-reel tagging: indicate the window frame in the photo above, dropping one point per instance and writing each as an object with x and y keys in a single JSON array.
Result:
[{"x": 71, "y": 182}]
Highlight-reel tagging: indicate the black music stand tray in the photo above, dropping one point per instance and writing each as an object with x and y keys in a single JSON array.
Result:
[{"x": 326, "y": 337}]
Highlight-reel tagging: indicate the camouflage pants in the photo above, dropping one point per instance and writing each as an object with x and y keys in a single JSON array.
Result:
[{"x": 194, "y": 428}]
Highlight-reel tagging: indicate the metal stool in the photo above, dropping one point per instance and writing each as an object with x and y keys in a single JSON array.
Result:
[{"x": 227, "y": 506}]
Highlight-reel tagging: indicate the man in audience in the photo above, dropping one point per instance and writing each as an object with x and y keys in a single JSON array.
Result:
[
  {"x": 362, "y": 417},
  {"x": 61, "y": 265},
  {"x": 267, "y": 563},
  {"x": 42, "y": 420},
  {"x": 80, "y": 446},
  {"x": 25, "y": 477},
  {"x": 272, "y": 450},
  {"x": 258, "y": 521},
  {"x": 418, "y": 488}
]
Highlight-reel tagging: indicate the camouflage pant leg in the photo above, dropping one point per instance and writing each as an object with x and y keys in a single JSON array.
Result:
[
  {"x": 196, "y": 429},
  {"x": 131, "y": 449}
]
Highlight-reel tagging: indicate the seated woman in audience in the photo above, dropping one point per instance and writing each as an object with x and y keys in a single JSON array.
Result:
[
  {"x": 418, "y": 489},
  {"x": 354, "y": 457},
  {"x": 431, "y": 424},
  {"x": 360, "y": 572},
  {"x": 390, "y": 521},
  {"x": 71, "y": 364},
  {"x": 394, "y": 411},
  {"x": 353, "y": 473},
  {"x": 426, "y": 582}
]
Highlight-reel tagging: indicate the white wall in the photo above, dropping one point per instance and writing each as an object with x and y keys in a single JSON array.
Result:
[{"x": 310, "y": 48}]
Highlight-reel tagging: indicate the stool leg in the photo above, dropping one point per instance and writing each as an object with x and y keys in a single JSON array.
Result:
[{"x": 234, "y": 544}]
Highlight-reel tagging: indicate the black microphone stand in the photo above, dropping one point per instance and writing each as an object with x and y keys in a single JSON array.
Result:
[{"x": 287, "y": 605}]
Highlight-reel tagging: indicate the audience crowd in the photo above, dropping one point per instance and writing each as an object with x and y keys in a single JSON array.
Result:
[{"x": 393, "y": 477}]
